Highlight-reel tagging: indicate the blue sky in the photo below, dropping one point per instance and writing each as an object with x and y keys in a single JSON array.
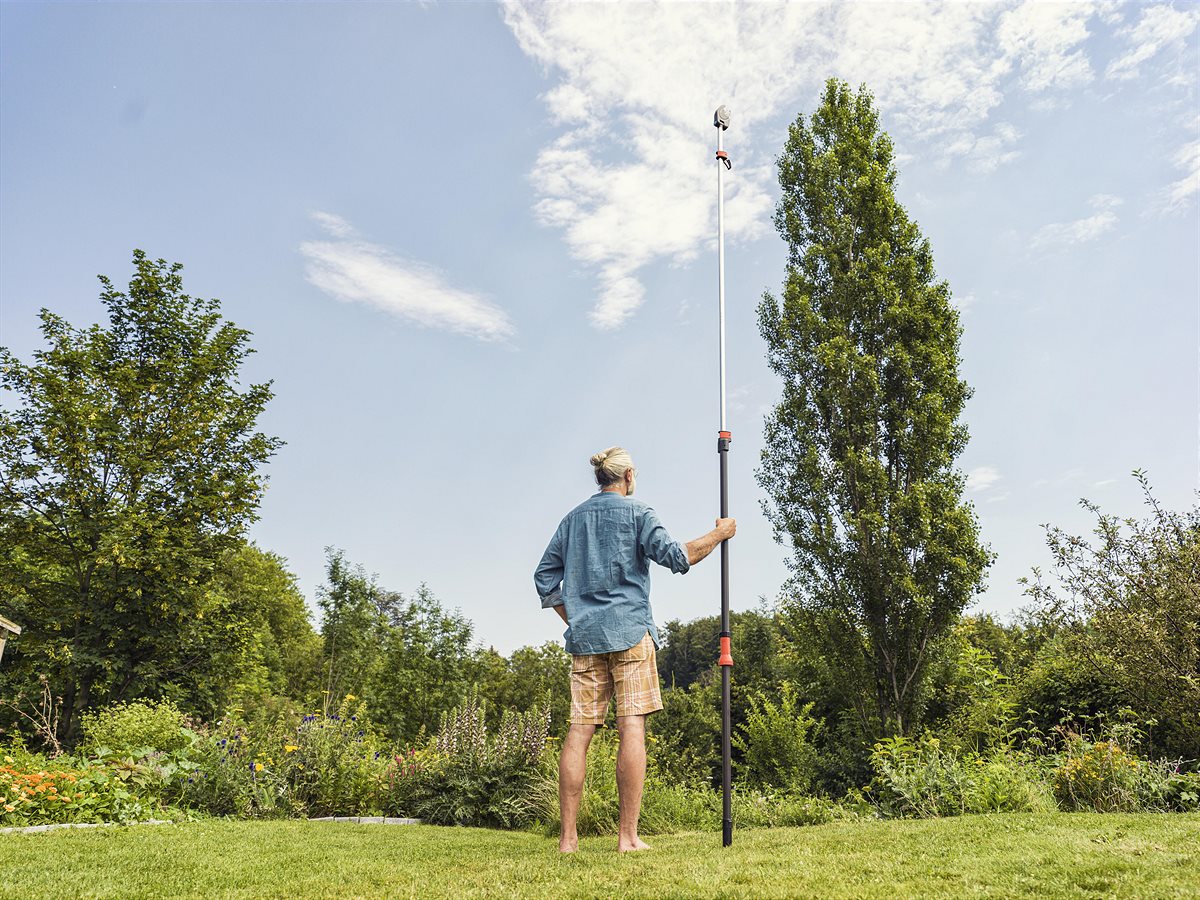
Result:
[{"x": 475, "y": 244}]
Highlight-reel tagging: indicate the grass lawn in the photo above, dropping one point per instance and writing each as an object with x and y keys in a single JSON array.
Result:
[{"x": 1043, "y": 855}]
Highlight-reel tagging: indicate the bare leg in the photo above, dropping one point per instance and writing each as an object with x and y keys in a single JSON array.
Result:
[
  {"x": 572, "y": 765},
  {"x": 631, "y": 776}
]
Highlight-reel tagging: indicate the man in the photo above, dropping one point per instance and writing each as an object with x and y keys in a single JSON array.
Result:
[{"x": 595, "y": 574}]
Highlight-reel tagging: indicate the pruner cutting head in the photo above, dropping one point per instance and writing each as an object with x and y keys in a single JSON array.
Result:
[{"x": 721, "y": 117}]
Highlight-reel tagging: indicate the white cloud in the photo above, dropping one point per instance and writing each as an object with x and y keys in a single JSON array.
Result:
[
  {"x": 982, "y": 478},
  {"x": 1044, "y": 40},
  {"x": 354, "y": 271},
  {"x": 1179, "y": 194},
  {"x": 1161, "y": 27},
  {"x": 1080, "y": 231},
  {"x": 333, "y": 224},
  {"x": 629, "y": 180},
  {"x": 986, "y": 154}
]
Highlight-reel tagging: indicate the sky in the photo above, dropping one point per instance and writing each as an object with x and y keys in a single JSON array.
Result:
[{"x": 475, "y": 243}]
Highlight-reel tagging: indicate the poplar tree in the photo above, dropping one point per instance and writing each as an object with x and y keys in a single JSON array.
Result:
[{"x": 859, "y": 459}]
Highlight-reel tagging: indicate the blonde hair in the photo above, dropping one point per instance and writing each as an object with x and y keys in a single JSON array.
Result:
[{"x": 611, "y": 465}]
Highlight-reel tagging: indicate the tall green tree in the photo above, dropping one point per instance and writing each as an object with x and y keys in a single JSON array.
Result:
[
  {"x": 129, "y": 464},
  {"x": 265, "y": 645},
  {"x": 859, "y": 464},
  {"x": 410, "y": 658}
]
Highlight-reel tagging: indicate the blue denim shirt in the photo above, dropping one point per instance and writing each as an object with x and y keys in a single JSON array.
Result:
[{"x": 598, "y": 566}]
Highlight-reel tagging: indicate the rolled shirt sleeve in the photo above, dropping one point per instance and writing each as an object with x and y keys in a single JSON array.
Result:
[
  {"x": 659, "y": 546},
  {"x": 548, "y": 575}
]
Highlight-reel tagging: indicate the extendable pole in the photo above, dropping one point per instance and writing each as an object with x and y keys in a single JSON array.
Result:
[{"x": 721, "y": 121}]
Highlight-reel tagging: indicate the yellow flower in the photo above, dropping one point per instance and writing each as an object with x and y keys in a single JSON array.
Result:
[
  {"x": 351, "y": 697},
  {"x": 8, "y": 759},
  {"x": 290, "y": 748},
  {"x": 258, "y": 767},
  {"x": 9, "y": 807}
]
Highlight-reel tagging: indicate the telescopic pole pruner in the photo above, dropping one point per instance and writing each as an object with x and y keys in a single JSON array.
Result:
[{"x": 721, "y": 122}]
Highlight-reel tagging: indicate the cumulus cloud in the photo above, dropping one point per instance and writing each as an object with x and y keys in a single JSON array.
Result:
[
  {"x": 354, "y": 271},
  {"x": 1161, "y": 27},
  {"x": 1060, "y": 235},
  {"x": 629, "y": 180},
  {"x": 982, "y": 478}
]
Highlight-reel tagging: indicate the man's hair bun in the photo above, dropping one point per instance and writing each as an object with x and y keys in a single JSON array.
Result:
[{"x": 611, "y": 465}]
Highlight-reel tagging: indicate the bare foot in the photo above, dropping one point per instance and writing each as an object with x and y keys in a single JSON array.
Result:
[
  {"x": 638, "y": 844},
  {"x": 568, "y": 846}
]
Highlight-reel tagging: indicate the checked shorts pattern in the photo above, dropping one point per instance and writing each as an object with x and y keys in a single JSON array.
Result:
[{"x": 631, "y": 676}]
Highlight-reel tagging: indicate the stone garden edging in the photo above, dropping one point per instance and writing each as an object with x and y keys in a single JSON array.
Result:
[
  {"x": 34, "y": 829},
  {"x": 357, "y": 820},
  {"x": 368, "y": 820}
]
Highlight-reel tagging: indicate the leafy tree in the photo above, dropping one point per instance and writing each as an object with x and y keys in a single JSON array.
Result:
[
  {"x": 526, "y": 679},
  {"x": 688, "y": 729},
  {"x": 128, "y": 467},
  {"x": 689, "y": 649},
  {"x": 410, "y": 658},
  {"x": 1060, "y": 686},
  {"x": 428, "y": 658},
  {"x": 355, "y": 614},
  {"x": 860, "y": 450},
  {"x": 267, "y": 646},
  {"x": 1135, "y": 599}
]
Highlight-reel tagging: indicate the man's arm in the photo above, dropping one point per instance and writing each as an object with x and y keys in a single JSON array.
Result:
[
  {"x": 704, "y": 545},
  {"x": 548, "y": 575},
  {"x": 561, "y": 609}
]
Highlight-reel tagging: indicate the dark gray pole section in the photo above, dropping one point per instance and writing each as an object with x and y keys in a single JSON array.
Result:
[
  {"x": 721, "y": 122},
  {"x": 726, "y": 660}
]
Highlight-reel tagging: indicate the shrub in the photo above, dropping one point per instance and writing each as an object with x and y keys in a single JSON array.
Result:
[
  {"x": 923, "y": 780},
  {"x": 336, "y": 763},
  {"x": 687, "y": 732},
  {"x": 36, "y": 791},
  {"x": 325, "y": 765},
  {"x": 669, "y": 805},
  {"x": 775, "y": 742},
  {"x": 1107, "y": 775},
  {"x": 476, "y": 778},
  {"x": 125, "y": 728},
  {"x": 236, "y": 775}
]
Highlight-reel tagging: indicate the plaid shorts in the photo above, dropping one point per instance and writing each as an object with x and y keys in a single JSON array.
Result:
[{"x": 632, "y": 675}]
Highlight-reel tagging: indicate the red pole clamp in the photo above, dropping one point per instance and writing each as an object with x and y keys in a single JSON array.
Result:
[
  {"x": 724, "y": 157},
  {"x": 726, "y": 659}
]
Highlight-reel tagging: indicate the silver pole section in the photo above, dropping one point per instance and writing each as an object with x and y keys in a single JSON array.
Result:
[
  {"x": 725, "y": 661},
  {"x": 721, "y": 256}
]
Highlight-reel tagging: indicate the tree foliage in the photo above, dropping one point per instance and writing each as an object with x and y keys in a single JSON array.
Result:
[
  {"x": 410, "y": 658},
  {"x": 129, "y": 466},
  {"x": 1134, "y": 599},
  {"x": 859, "y": 464}
]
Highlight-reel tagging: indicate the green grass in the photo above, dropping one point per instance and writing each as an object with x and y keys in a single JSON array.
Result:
[{"x": 1043, "y": 855}]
